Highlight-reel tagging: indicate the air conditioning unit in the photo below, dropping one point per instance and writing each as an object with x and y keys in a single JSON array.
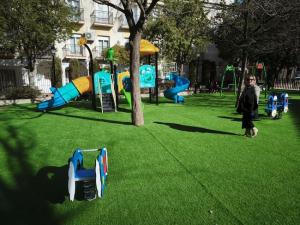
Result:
[{"x": 89, "y": 36}]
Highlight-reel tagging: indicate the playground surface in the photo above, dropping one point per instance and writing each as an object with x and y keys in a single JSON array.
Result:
[{"x": 189, "y": 164}]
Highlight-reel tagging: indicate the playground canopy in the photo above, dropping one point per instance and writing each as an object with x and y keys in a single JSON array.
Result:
[{"x": 147, "y": 48}]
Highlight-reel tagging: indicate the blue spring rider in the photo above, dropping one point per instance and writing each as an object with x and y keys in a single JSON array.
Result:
[
  {"x": 92, "y": 180},
  {"x": 277, "y": 105}
]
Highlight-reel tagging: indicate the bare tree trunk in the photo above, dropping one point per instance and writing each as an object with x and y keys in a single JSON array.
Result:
[
  {"x": 137, "y": 113},
  {"x": 244, "y": 56},
  {"x": 30, "y": 71},
  {"x": 179, "y": 67},
  {"x": 31, "y": 76},
  {"x": 31, "y": 79},
  {"x": 241, "y": 80}
]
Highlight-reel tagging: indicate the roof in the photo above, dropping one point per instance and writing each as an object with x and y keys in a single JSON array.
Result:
[{"x": 147, "y": 48}]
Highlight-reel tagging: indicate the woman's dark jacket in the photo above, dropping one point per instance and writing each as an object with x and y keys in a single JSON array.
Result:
[{"x": 247, "y": 101}]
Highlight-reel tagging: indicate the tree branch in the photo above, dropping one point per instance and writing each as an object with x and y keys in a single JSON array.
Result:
[
  {"x": 142, "y": 8},
  {"x": 151, "y": 6}
]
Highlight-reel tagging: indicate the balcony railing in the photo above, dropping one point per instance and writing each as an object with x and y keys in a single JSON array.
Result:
[
  {"x": 79, "y": 18},
  {"x": 73, "y": 51},
  {"x": 102, "y": 18},
  {"x": 123, "y": 22}
]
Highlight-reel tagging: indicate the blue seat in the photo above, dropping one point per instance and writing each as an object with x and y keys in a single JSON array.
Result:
[{"x": 78, "y": 173}]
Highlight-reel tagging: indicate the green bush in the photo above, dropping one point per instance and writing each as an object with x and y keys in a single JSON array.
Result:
[
  {"x": 58, "y": 73},
  {"x": 76, "y": 69},
  {"x": 24, "y": 92}
]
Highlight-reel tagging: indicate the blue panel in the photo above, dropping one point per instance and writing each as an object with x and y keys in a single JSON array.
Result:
[
  {"x": 105, "y": 79},
  {"x": 69, "y": 92},
  {"x": 127, "y": 84},
  {"x": 77, "y": 159},
  {"x": 85, "y": 173},
  {"x": 147, "y": 76}
]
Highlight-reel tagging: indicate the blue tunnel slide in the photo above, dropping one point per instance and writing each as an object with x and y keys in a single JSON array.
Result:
[{"x": 181, "y": 84}]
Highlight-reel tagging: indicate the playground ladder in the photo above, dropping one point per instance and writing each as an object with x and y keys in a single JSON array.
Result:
[
  {"x": 113, "y": 91},
  {"x": 100, "y": 95},
  {"x": 107, "y": 101}
]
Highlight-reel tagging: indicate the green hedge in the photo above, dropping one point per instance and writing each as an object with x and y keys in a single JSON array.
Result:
[{"x": 23, "y": 92}]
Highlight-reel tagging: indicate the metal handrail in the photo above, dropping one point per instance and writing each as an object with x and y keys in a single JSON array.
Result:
[
  {"x": 103, "y": 17},
  {"x": 73, "y": 50}
]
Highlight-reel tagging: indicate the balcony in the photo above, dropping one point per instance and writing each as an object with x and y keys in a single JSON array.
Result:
[
  {"x": 97, "y": 53},
  {"x": 73, "y": 52},
  {"x": 123, "y": 23},
  {"x": 102, "y": 19},
  {"x": 79, "y": 17}
]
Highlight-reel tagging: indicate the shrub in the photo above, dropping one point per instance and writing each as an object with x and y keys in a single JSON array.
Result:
[
  {"x": 21, "y": 93},
  {"x": 76, "y": 69}
]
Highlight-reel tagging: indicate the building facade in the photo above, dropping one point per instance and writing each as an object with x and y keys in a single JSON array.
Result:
[{"x": 103, "y": 27}]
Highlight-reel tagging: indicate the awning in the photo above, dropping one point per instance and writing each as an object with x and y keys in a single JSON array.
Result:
[{"x": 147, "y": 48}]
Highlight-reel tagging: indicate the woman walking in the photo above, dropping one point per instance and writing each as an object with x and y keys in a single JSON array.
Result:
[{"x": 247, "y": 106}]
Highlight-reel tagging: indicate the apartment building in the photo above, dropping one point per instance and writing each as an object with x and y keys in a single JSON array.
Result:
[{"x": 103, "y": 27}]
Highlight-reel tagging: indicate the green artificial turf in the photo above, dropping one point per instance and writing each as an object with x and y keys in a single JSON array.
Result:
[{"x": 189, "y": 164}]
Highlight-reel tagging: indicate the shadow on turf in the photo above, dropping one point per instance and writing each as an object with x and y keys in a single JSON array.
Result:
[
  {"x": 294, "y": 110},
  {"x": 194, "y": 129},
  {"x": 21, "y": 112},
  {"x": 53, "y": 183},
  {"x": 90, "y": 118},
  {"x": 21, "y": 201},
  {"x": 231, "y": 118}
]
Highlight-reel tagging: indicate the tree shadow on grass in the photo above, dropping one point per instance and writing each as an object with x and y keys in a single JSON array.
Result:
[
  {"x": 20, "y": 112},
  {"x": 211, "y": 101},
  {"x": 87, "y": 105},
  {"x": 90, "y": 118},
  {"x": 294, "y": 109},
  {"x": 124, "y": 110},
  {"x": 20, "y": 201},
  {"x": 194, "y": 129},
  {"x": 53, "y": 183}
]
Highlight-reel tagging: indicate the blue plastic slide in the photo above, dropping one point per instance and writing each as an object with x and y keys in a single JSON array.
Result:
[
  {"x": 75, "y": 88},
  {"x": 61, "y": 96},
  {"x": 181, "y": 84}
]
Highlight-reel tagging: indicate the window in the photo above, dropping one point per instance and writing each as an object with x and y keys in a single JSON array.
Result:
[
  {"x": 102, "y": 14},
  {"x": 74, "y": 46},
  {"x": 74, "y": 3},
  {"x": 103, "y": 43}
]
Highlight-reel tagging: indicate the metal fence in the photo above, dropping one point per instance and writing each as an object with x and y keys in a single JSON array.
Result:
[
  {"x": 42, "y": 83},
  {"x": 12, "y": 78},
  {"x": 287, "y": 84},
  {"x": 7, "y": 79}
]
